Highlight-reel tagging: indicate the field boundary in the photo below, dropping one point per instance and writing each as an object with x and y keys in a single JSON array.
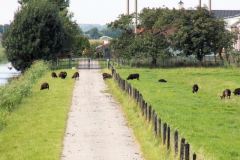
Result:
[{"x": 161, "y": 129}]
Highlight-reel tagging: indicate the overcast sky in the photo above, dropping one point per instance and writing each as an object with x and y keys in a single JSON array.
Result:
[{"x": 104, "y": 11}]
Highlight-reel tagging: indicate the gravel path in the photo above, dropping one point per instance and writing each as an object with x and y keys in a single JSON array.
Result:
[{"x": 96, "y": 127}]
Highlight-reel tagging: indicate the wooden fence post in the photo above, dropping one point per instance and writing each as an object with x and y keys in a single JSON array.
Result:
[
  {"x": 149, "y": 113},
  {"x": 182, "y": 149},
  {"x": 168, "y": 137},
  {"x": 176, "y": 142},
  {"x": 194, "y": 156},
  {"x": 143, "y": 107},
  {"x": 160, "y": 127},
  {"x": 146, "y": 111},
  {"x": 164, "y": 133},
  {"x": 156, "y": 125},
  {"x": 153, "y": 116},
  {"x": 187, "y": 151}
]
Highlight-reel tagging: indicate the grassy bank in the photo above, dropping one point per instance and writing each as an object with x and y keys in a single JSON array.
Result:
[
  {"x": 36, "y": 128},
  {"x": 151, "y": 146},
  {"x": 211, "y": 125},
  {"x": 3, "y": 57}
]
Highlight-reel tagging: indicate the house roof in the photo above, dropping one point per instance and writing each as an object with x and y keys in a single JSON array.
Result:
[{"x": 226, "y": 13}]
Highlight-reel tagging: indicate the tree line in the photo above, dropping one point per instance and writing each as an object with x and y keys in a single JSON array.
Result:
[
  {"x": 42, "y": 29},
  {"x": 162, "y": 33}
]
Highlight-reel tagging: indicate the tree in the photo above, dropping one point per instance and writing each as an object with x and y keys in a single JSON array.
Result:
[
  {"x": 94, "y": 33},
  {"x": 61, "y": 4},
  {"x": 199, "y": 33},
  {"x": 113, "y": 33},
  {"x": 81, "y": 43},
  {"x": 36, "y": 33}
]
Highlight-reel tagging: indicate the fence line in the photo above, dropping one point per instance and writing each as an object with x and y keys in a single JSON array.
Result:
[{"x": 160, "y": 129}]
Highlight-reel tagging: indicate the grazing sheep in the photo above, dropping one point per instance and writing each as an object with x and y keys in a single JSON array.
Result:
[
  {"x": 75, "y": 75},
  {"x": 54, "y": 75},
  {"x": 133, "y": 76},
  {"x": 62, "y": 75},
  {"x": 106, "y": 76},
  {"x": 236, "y": 91},
  {"x": 44, "y": 86},
  {"x": 162, "y": 81},
  {"x": 195, "y": 88},
  {"x": 226, "y": 93}
]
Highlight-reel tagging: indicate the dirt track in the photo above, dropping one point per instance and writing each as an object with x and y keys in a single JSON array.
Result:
[{"x": 96, "y": 128}]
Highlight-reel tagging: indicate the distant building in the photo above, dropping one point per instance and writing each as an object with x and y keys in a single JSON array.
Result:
[{"x": 105, "y": 47}]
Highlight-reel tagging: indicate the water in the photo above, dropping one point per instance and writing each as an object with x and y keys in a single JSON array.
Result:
[{"x": 6, "y": 73}]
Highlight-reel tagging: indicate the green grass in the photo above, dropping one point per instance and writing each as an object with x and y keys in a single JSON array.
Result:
[
  {"x": 3, "y": 57},
  {"x": 36, "y": 128},
  {"x": 211, "y": 125}
]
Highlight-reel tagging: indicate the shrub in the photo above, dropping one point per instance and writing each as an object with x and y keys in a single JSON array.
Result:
[{"x": 13, "y": 93}]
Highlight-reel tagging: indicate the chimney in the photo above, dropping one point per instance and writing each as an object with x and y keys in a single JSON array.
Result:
[
  {"x": 136, "y": 15},
  {"x": 200, "y": 3},
  {"x": 127, "y": 7},
  {"x": 210, "y": 5}
]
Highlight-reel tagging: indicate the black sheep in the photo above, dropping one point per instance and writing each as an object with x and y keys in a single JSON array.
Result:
[
  {"x": 133, "y": 76},
  {"x": 162, "y": 81},
  {"x": 226, "y": 93},
  {"x": 106, "y": 76},
  {"x": 62, "y": 75},
  {"x": 54, "y": 75},
  {"x": 195, "y": 88},
  {"x": 236, "y": 91},
  {"x": 44, "y": 86},
  {"x": 75, "y": 75}
]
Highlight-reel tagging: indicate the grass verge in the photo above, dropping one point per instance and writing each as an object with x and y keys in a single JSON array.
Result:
[
  {"x": 36, "y": 128},
  {"x": 151, "y": 146}
]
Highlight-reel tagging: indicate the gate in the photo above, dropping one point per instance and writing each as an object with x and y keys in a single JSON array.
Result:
[
  {"x": 79, "y": 63},
  {"x": 88, "y": 63}
]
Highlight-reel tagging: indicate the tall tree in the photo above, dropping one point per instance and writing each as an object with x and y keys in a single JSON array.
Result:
[
  {"x": 36, "y": 33},
  {"x": 199, "y": 33},
  {"x": 61, "y": 4}
]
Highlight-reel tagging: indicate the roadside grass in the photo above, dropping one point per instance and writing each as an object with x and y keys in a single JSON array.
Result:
[
  {"x": 210, "y": 125},
  {"x": 35, "y": 130},
  {"x": 151, "y": 146},
  {"x": 3, "y": 57}
]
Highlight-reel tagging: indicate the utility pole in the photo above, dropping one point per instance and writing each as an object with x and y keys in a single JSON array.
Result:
[
  {"x": 136, "y": 15},
  {"x": 210, "y": 5},
  {"x": 127, "y": 7}
]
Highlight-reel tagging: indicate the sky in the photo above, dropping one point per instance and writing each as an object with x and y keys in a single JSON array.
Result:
[{"x": 105, "y": 11}]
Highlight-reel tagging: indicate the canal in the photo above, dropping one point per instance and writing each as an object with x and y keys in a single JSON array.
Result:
[{"x": 6, "y": 72}]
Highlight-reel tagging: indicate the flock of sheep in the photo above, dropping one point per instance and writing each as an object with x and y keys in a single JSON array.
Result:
[
  {"x": 61, "y": 75},
  {"x": 225, "y": 94}
]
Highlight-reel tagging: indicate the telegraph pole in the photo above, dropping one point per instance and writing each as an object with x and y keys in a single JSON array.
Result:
[
  {"x": 127, "y": 7},
  {"x": 210, "y": 5},
  {"x": 136, "y": 15}
]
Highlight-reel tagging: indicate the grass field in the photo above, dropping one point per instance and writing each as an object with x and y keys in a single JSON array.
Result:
[
  {"x": 210, "y": 125},
  {"x": 36, "y": 128}
]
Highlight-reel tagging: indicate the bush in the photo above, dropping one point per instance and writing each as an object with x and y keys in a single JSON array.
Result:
[{"x": 13, "y": 93}]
